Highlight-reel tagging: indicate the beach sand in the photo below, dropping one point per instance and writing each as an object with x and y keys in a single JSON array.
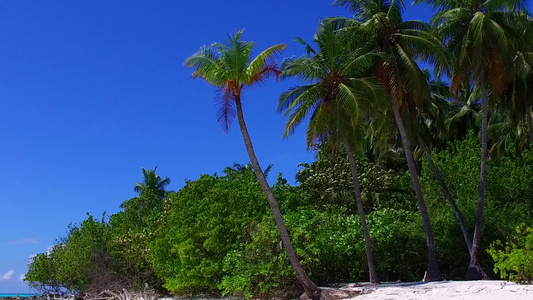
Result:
[{"x": 444, "y": 290}]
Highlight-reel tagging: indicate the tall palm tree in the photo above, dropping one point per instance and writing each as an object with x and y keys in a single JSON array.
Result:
[
  {"x": 430, "y": 130},
  {"x": 380, "y": 22},
  {"x": 480, "y": 36},
  {"x": 338, "y": 96},
  {"x": 227, "y": 66}
]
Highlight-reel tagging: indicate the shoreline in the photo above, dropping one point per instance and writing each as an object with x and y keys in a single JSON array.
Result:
[{"x": 441, "y": 290}]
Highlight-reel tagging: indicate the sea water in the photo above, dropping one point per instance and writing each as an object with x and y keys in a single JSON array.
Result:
[{"x": 16, "y": 295}]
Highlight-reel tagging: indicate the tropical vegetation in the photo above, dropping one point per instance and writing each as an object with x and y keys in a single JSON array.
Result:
[{"x": 423, "y": 136}]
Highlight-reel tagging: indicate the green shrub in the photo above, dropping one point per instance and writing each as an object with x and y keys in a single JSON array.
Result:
[
  {"x": 329, "y": 245},
  {"x": 515, "y": 260},
  {"x": 206, "y": 219},
  {"x": 399, "y": 245}
]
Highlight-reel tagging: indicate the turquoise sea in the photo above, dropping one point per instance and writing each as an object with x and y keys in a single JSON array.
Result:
[{"x": 16, "y": 295}]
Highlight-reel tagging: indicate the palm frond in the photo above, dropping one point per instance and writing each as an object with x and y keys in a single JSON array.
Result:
[
  {"x": 308, "y": 47},
  {"x": 206, "y": 62},
  {"x": 415, "y": 81},
  {"x": 305, "y": 68},
  {"x": 261, "y": 60},
  {"x": 291, "y": 97},
  {"x": 226, "y": 105}
]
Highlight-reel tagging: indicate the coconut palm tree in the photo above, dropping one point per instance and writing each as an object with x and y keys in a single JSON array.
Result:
[
  {"x": 338, "y": 98},
  {"x": 480, "y": 36},
  {"x": 227, "y": 66},
  {"x": 380, "y": 23},
  {"x": 429, "y": 129},
  {"x": 152, "y": 182},
  {"x": 518, "y": 98}
]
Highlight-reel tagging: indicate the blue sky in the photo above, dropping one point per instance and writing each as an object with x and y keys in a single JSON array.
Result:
[{"x": 91, "y": 91}]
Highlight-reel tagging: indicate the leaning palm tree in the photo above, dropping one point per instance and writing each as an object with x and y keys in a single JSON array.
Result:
[
  {"x": 338, "y": 96},
  {"x": 228, "y": 67},
  {"x": 430, "y": 129},
  {"x": 380, "y": 22},
  {"x": 481, "y": 37}
]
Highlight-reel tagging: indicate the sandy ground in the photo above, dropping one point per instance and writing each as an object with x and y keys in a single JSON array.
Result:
[{"x": 452, "y": 290}]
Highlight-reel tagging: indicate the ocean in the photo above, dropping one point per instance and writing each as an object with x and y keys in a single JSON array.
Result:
[{"x": 16, "y": 295}]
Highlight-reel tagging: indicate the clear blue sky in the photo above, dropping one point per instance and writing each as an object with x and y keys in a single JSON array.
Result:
[{"x": 91, "y": 91}]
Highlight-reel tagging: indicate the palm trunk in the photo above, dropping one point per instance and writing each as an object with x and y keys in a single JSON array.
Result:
[
  {"x": 309, "y": 286},
  {"x": 530, "y": 125},
  {"x": 447, "y": 194},
  {"x": 368, "y": 243},
  {"x": 474, "y": 271},
  {"x": 433, "y": 272}
]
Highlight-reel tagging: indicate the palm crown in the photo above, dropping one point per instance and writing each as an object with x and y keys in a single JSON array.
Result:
[
  {"x": 228, "y": 67},
  {"x": 480, "y": 34},
  {"x": 340, "y": 94}
]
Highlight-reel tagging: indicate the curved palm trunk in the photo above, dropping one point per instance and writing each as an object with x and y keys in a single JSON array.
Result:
[
  {"x": 474, "y": 271},
  {"x": 433, "y": 271},
  {"x": 310, "y": 288},
  {"x": 447, "y": 194},
  {"x": 368, "y": 242}
]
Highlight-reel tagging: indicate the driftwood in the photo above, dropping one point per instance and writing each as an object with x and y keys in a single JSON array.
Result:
[{"x": 122, "y": 295}]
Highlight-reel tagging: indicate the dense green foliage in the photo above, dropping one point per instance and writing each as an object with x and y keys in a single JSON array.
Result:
[
  {"x": 217, "y": 234},
  {"x": 76, "y": 261},
  {"x": 505, "y": 209}
]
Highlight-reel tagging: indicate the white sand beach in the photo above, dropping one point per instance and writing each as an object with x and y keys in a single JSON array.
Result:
[{"x": 453, "y": 290}]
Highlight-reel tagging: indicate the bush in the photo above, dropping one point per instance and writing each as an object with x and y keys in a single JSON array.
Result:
[
  {"x": 515, "y": 260},
  {"x": 329, "y": 245},
  {"x": 206, "y": 220}
]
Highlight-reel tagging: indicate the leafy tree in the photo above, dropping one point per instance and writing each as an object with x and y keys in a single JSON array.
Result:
[
  {"x": 228, "y": 67},
  {"x": 328, "y": 183},
  {"x": 43, "y": 272},
  {"x": 80, "y": 262},
  {"x": 205, "y": 220}
]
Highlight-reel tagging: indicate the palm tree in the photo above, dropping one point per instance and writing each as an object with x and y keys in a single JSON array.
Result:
[
  {"x": 465, "y": 114},
  {"x": 152, "y": 183},
  {"x": 430, "y": 129},
  {"x": 519, "y": 95},
  {"x": 228, "y": 67},
  {"x": 338, "y": 96},
  {"x": 380, "y": 22},
  {"x": 480, "y": 36}
]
